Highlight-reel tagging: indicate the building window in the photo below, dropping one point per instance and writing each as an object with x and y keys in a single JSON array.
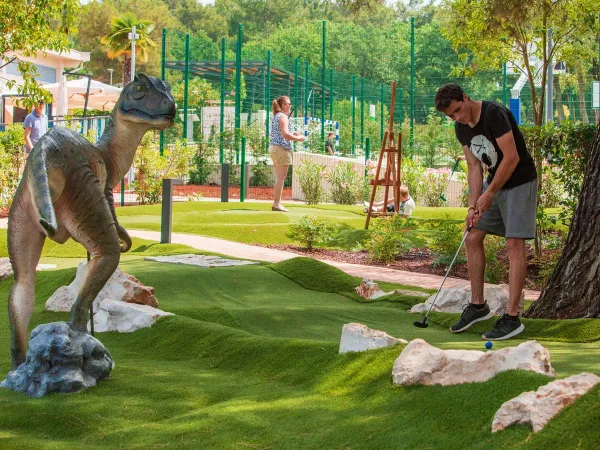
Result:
[{"x": 47, "y": 74}]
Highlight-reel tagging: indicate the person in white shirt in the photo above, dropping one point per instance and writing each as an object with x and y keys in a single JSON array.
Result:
[{"x": 407, "y": 204}]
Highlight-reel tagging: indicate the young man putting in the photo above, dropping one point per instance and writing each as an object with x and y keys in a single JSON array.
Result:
[{"x": 504, "y": 205}]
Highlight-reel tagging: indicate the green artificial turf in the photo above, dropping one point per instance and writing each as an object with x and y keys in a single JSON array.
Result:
[{"x": 250, "y": 361}]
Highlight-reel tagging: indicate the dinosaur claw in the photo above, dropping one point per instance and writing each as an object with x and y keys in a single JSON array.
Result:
[{"x": 50, "y": 230}]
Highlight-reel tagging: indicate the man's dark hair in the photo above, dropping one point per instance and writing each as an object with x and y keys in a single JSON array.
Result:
[{"x": 447, "y": 94}]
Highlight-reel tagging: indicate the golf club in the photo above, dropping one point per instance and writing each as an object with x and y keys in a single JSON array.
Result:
[
  {"x": 423, "y": 323},
  {"x": 442, "y": 196}
]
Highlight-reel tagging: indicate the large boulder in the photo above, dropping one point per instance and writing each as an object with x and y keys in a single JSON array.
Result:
[
  {"x": 453, "y": 299},
  {"x": 60, "y": 360},
  {"x": 369, "y": 290},
  {"x": 125, "y": 317},
  {"x": 421, "y": 363},
  {"x": 537, "y": 408},
  {"x": 357, "y": 337},
  {"x": 120, "y": 286}
]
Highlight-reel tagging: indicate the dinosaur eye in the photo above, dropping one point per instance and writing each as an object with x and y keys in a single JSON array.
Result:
[{"x": 139, "y": 92}]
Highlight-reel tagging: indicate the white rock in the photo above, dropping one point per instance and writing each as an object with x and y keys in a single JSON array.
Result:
[
  {"x": 369, "y": 290},
  {"x": 537, "y": 408},
  {"x": 120, "y": 286},
  {"x": 199, "y": 260},
  {"x": 453, "y": 299},
  {"x": 421, "y": 363},
  {"x": 125, "y": 317},
  {"x": 357, "y": 337},
  {"x": 7, "y": 272}
]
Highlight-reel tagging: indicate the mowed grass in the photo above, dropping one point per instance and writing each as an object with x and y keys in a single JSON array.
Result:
[
  {"x": 255, "y": 223},
  {"x": 250, "y": 361}
]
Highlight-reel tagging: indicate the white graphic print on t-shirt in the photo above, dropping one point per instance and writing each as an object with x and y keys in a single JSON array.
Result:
[{"x": 485, "y": 151}]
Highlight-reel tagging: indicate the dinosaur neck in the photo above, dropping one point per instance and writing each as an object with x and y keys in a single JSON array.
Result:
[{"x": 118, "y": 145}]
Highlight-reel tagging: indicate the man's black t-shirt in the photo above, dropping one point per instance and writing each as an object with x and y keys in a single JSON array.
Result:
[{"x": 494, "y": 122}]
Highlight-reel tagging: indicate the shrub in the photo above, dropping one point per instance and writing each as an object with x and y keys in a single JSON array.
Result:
[
  {"x": 386, "y": 243},
  {"x": 311, "y": 230},
  {"x": 445, "y": 242},
  {"x": 202, "y": 164},
  {"x": 433, "y": 186},
  {"x": 12, "y": 158},
  {"x": 412, "y": 177},
  {"x": 261, "y": 172},
  {"x": 151, "y": 168},
  {"x": 310, "y": 175},
  {"x": 495, "y": 268},
  {"x": 346, "y": 184}
]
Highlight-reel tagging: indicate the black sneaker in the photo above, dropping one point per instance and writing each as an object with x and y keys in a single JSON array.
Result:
[
  {"x": 505, "y": 328},
  {"x": 471, "y": 315}
]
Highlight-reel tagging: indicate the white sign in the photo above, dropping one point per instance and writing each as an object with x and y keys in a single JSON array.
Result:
[
  {"x": 596, "y": 94},
  {"x": 372, "y": 111}
]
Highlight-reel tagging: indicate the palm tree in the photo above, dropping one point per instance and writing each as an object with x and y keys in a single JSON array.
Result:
[{"x": 118, "y": 43}]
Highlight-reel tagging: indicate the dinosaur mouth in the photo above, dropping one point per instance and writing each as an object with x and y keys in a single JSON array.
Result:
[{"x": 151, "y": 116}]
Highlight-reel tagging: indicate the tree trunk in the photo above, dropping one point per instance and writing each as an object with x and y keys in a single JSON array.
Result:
[
  {"x": 558, "y": 97},
  {"x": 573, "y": 290},
  {"x": 126, "y": 69},
  {"x": 581, "y": 97}
]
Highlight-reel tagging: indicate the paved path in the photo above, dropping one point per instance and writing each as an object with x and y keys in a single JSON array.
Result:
[
  {"x": 270, "y": 255},
  {"x": 266, "y": 254}
]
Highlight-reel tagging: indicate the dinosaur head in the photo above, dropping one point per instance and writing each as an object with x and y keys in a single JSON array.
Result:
[{"x": 147, "y": 100}]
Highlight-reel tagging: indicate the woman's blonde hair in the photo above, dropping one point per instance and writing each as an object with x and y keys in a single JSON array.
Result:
[{"x": 277, "y": 105}]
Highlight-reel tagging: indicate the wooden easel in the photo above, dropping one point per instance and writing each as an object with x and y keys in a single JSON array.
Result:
[{"x": 391, "y": 149}]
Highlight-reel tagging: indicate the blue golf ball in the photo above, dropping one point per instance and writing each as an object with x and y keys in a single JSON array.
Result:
[{"x": 488, "y": 345}]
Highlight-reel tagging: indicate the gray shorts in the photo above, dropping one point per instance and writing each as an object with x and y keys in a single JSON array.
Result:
[{"x": 512, "y": 212}]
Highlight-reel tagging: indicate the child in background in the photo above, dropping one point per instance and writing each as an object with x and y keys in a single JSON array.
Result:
[{"x": 407, "y": 204}]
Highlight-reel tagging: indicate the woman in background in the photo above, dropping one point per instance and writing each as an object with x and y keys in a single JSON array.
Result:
[{"x": 280, "y": 147}]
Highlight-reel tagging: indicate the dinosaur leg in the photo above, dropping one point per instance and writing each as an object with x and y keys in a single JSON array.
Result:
[
  {"x": 25, "y": 242},
  {"x": 98, "y": 234}
]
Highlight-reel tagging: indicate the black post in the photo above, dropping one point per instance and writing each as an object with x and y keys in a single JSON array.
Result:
[
  {"x": 167, "y": 209},
  {"x": 224, "y": 183},
  {"x": 91, "y": 307}
]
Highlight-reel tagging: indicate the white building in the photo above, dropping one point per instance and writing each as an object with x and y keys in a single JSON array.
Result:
[{"x": 50, "y": 67}]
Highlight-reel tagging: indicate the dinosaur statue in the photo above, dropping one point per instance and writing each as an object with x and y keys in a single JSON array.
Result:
[{"x": 66, "y": 192}]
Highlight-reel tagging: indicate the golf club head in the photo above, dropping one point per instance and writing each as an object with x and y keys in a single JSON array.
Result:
[
  {"x": 443, "y": 198},
  {"x": 421, "y": 323}
]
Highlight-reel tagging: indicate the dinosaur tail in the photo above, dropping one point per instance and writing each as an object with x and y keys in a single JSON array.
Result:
[{"x": 39, "y": 187}]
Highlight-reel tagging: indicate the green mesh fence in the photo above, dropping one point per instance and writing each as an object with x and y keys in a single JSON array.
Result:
[{"x": 224, "y": 93}]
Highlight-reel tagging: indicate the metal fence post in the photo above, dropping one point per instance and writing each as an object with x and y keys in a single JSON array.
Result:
[
  {"x": 268, "y": 105},
  {"x": 331, "y": 94},
  {"x": 362, "y": 112},
  {"x": 238, "y": 94},
  {"x": 243, "y": 170},
  {"x": 353, "y": 111},
  {"x": 382, "y": 114},
  {"x": 323, "y": 44},
  {"x": 224, "y": 183},
  {"x": 222, "y": 102},
  {"x": 185, "y": 86},
  {"x": 163, "y": 63},
  {"x": 412, "y": 83}
]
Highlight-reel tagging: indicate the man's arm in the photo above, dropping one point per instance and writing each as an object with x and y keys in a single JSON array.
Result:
[
  {"x": 475, "y": 181},
  {"x": 510, "y": 159},
  {"x": 28, "y": 143}
]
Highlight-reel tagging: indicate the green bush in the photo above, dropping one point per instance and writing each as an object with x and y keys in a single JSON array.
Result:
[
  {"x": 412, "y": 177},
  {"x": 433, "y": 185},
  {"x": 261, "y": 172},
  {"x": 310, "y": 175},
  {"x": 12, "y": 158},
  {"x": 386, "y": 242},
  {"x": 311, "y": 230},
  {"x": 447, "y": 237},
  {"x": 346, "y": 184},
  {"x": 202, "y": 164},
  {"x": 495, "y": 269}
]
